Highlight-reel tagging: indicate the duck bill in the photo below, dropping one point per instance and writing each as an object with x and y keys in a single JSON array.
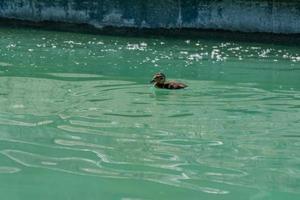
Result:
[{"x": 153, "y": 81}]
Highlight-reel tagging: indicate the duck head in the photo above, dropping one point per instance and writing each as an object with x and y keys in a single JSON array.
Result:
[{"x": 159, "y": 78}]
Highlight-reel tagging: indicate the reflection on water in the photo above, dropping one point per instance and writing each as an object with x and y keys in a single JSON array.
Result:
[{"x": 80, "y": 105}]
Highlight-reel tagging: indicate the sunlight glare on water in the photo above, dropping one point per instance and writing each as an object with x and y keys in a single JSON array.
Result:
[{"x": 79, "y": 119}]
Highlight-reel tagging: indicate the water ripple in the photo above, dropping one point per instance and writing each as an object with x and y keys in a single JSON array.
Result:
[
  {"x": 83, "y": 166},
  {"x": 9, "y": 170}
]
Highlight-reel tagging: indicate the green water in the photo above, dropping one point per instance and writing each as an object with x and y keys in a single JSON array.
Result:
[{"x": 79, "y": 121}]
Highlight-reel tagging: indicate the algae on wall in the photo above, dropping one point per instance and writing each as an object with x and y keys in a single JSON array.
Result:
[{"x": 277, "y": 16}]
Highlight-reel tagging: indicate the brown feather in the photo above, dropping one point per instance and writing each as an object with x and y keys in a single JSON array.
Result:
[{"x": 160, "y": 82}]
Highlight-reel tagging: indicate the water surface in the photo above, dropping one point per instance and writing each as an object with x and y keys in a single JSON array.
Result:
[{"x": 78, "y": 119}]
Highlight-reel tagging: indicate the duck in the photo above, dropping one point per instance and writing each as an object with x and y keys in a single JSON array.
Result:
[{"x": 159, "y": 80}]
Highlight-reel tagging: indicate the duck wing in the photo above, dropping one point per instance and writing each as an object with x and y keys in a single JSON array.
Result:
[{"x": 174, "y": 85}]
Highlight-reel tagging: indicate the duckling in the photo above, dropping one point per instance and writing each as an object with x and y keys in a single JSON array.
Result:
[{"x": 159, "y": 80}]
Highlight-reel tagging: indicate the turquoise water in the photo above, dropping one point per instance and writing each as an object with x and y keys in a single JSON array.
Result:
[{"x": 78, "y": 119}]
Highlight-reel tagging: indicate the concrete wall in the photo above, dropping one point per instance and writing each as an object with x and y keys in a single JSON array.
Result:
[{"x": 275, "y": 16}]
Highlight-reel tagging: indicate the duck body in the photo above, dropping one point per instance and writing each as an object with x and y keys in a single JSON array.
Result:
[
  {"x": 159, "y": 81},
  {"x": 170, "y": 85}
]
